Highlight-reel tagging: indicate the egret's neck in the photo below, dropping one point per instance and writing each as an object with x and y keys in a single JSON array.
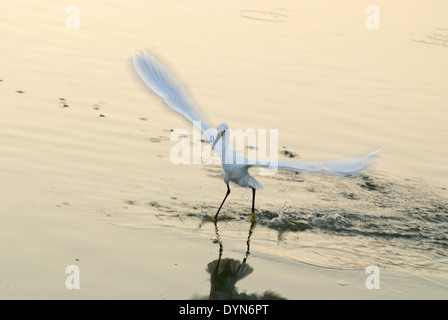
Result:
[{"x": 227, "y": 153}]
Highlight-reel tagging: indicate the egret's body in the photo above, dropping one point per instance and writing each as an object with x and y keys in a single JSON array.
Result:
[
  {"x": 236, "y": 167},
  {"x": 239, "y": 174},
  {"x": 234, "y": 171}
]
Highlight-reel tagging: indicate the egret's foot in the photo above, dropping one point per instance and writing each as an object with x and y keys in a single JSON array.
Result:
[{"x": 254, "y": 217}]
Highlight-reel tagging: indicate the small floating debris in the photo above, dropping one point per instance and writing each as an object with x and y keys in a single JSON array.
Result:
[
  {"x": 63, "y": 103},
  {"x": 436, "y": 37},
  {"x": 369, "y": 184},
  {"x": 20, "y": 91},
  {"x": 98, "y": 105},
  {"x": 157, "y": 139},
  {"x": 153, "y": 204},
  {"x": 288, "y": 153}
]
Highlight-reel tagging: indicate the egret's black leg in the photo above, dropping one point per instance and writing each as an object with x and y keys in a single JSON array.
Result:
[
  {"x": 215, "y": 218},
  {"x": 254, "y": 216}
]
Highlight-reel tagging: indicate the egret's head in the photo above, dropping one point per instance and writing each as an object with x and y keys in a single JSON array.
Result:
[{"x": 222, "y": 129}]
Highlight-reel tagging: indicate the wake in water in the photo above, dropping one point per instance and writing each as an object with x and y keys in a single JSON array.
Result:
[
  {"x": 404, "y": 219},
  {"x": 400, "y": 222}
]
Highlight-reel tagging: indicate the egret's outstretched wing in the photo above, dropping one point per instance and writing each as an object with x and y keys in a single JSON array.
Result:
[
  {"x": 346, "y": 165},
  {"x": 163, "y": 83}
]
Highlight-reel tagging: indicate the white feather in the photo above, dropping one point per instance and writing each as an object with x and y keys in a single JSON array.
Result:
[{"x": 164, "y": 84}]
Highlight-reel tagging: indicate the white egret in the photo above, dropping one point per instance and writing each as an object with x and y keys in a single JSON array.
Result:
[{"x": 236, "y": 167}]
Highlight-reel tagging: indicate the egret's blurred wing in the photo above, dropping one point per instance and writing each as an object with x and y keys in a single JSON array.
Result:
[
  {"x": 346, "y": 165},
  {"x": 163, "y": 83}
]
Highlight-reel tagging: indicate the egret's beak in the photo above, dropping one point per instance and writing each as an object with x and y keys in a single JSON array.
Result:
[{"x": 218, "y": 136}]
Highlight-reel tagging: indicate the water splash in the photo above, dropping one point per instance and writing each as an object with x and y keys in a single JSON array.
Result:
[
  {"x": 285, "y": 220},
  {"x": 333, "y": 221}
]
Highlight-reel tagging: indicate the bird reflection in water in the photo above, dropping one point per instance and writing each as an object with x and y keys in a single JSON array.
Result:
[{"x": 226, "y": 272}]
